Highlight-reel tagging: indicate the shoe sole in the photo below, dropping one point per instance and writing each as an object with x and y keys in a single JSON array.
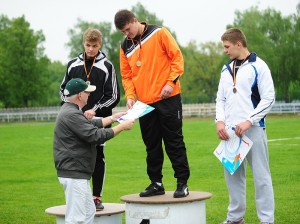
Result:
[
  {"x": 181, "y": 196},
  {"x": 99, "y": 209},
  {"x": 154, "y": 194}
]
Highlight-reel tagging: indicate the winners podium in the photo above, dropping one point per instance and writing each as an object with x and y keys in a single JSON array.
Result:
[
  {"x": 165, "y": 209},
  {"x": 161, "y": 209},
  {"x": 112, "y": 213}
]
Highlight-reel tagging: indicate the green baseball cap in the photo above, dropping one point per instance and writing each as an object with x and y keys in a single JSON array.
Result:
[{"x": 77, "y": 85}]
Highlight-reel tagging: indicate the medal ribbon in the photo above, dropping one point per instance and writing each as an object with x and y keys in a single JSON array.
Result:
[
  {"x": 88, "y": 74},
  {"x": 139, "y": 63},
  {"x": 235, "y": 68}
]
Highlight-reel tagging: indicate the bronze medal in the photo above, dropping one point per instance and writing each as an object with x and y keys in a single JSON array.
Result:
[
  {"x": 234, "y": 90},
  {"x": 138, "y": 63}
]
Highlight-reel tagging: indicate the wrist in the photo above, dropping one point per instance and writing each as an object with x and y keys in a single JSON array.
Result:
[
  {"x": 111, "y": 119},
  {"x": 250, "y": 120}
]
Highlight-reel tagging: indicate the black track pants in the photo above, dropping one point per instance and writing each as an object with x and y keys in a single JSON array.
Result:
[
  {"x": 99, "y": 172},
  {"x": 165, "y": 124}
]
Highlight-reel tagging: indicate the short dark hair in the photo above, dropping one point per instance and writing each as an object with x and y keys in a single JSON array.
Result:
[
  {"x": 234, "y": 35},
  {"x": 123, "y": 17}
]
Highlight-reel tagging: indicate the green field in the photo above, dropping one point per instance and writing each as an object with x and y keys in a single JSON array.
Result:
[{"x": 28, "y": 182}]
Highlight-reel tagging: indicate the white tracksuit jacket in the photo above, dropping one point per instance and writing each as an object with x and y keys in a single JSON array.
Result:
[{"x": 254, "y": 97}]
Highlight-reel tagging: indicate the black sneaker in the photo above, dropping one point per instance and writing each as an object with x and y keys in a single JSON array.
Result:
[
  {"x": 98, "y": 204},
  {"x": 181, "y": 191},
  {"x": 153, "y": 189}
]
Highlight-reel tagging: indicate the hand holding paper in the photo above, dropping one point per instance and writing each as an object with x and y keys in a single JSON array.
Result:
[
  {"x": 139, "y": 109},
  {"x": 233, "y": 151}
]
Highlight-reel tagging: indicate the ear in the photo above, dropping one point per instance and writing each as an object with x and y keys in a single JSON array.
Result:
[
  {"x": 239, "y": 44},
  {"x": 79, "y": 96}
]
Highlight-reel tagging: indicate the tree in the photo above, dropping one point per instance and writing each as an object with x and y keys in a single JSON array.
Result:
[
  {"x": 55, "y": 73},
  {"x": 202, "y": 69},
  {"x": 276, "y": 39},
  {"x": 143, "y": 15},
  {"x": 4, "y": 23},
  {"x": 23, "y": 64}
]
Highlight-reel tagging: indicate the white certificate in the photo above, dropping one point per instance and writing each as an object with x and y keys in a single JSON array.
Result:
[
  {"x": 232, "y": 152},
  {"x": 139, "y": 109}
]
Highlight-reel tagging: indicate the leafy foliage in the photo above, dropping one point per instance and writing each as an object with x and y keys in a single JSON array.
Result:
[
  {"x": 29, "y": 78},
  {"x": 22, "y": 64},
  {"x": 276, "y": 39}
]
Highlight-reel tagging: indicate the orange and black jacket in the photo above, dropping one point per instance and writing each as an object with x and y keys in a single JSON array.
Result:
[{"x": 160, "y": 62}]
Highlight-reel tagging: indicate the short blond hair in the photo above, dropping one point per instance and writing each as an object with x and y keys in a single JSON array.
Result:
[
  {"x": 233, "y": 35},
  {"x": 93, "y": 35}
]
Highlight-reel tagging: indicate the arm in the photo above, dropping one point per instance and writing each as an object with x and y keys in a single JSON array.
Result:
[
  {"x": 63, "y": 84},
  {"x": 111, "y": 89},
  {"x": 111, "y": 119},
  {"x": 220, "y": 101},
  {"x": 267, "y": 98},
  {"x": 126, "y": 74},
  {"x": 220, "y": 112},
  {"x": 174, "y": 53},
  {"x": 267, "y": 94},
  {"x": 90, "y": 131},
  {"x": 125, "y": 125}
]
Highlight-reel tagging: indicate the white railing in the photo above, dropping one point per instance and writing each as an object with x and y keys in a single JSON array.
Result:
[{"x": 188, "y": 110}]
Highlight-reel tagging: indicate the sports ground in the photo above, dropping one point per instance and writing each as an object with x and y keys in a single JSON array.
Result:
[{"x": 29, "y": 184}]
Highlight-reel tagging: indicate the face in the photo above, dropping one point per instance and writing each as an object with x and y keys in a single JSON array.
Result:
[
  {"x": 91, "y": 48},
  {"x": 131, "y": 29},
  {"x": 83, "y": 97},
  {"x": 232, "y": 50}
]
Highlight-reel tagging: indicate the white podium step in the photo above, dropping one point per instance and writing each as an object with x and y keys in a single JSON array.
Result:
[{"x": 164, "y": 209}]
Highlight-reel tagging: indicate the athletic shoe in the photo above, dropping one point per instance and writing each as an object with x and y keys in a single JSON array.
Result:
[
  {"x": 152, "y": 190},
  {"x": 98, "y": 204},
  {"x": 181, "y": 191},
  {"x": 242, "y": 221}
]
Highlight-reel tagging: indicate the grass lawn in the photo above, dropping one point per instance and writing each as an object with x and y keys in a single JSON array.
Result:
[{"x": 28, "y": 182}]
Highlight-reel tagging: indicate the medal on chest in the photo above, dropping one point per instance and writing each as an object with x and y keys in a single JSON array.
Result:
[
  {"x": 138, "y": 63},
  {"x": 235, "y": 69}
]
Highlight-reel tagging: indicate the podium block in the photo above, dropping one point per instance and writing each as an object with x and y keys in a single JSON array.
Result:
[
  {"x": 164, "y": 209},
  {"x": 112, "y": 213}
]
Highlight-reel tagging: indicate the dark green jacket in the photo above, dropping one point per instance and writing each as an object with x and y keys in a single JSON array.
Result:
[{"x": 75, "y": 138}]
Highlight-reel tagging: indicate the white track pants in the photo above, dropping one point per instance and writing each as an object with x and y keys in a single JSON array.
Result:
[
  {"x": 258, "y": 160},
  {"x": 79, "y": 201}
]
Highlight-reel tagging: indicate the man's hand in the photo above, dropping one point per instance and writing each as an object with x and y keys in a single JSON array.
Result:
[
  {"x": 116, "y": 116},
  {"x": 221, "y": 131},
  {"x": 89, "y": 114},
  {"x": 166, "y": 92},
  {"x": 127, "y": 125},
  {"x": 130, "y": 103},
  {"x": 241, "y": 128}
]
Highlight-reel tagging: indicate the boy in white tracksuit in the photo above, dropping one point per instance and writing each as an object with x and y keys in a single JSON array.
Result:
[{"x": 245, "y": 96}]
